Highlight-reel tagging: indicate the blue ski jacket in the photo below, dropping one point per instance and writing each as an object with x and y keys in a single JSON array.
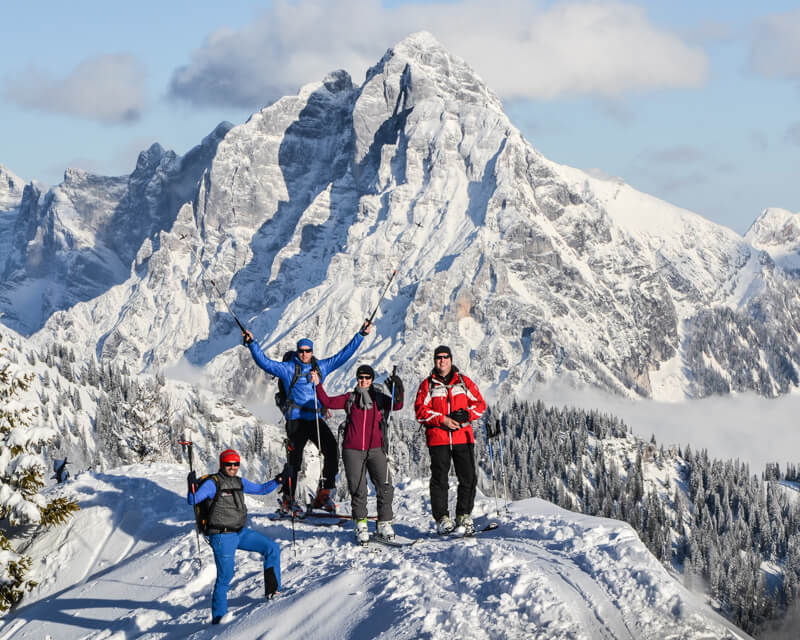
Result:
[
  {"x": 208, "y": 489},
  {"x": 302, "y": 395}
]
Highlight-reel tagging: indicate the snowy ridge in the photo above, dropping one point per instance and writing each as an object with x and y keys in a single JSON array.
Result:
[
  {"x": 125, "y": 561},
  {"x": 530, "y": 270}
]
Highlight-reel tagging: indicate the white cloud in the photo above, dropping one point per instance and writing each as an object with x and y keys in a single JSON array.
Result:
[
  {"x": 775, "y": 48},
  {"x": 747, "y": 427},
  {"x": 108, "y": 88},
  {"x": 522, "y": 49}
]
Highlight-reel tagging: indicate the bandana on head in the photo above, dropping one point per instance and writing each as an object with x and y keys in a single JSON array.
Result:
[{"x": 229, "y": 455}]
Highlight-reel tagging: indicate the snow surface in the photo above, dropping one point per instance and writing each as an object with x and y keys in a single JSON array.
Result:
[{"x": 124, "y": 566}]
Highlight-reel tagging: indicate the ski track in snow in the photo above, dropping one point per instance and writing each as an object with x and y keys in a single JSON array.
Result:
[{"x": 126, "y": 567}]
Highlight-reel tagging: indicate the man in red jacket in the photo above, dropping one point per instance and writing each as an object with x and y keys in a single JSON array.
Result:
[{"x": 447, "y": 403}]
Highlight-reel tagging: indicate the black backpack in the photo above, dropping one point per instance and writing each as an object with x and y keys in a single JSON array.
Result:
[
  {"x": 283, "y": 397},
  {"x": 203, "y": 508}
]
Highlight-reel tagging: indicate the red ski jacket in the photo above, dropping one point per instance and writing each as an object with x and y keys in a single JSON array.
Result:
[{"x": 437, "y": 399}]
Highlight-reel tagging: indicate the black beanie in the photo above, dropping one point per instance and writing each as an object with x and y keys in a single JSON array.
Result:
[
  {"x": 365, "y": 369},
  {"x": 442, "y": 349}
]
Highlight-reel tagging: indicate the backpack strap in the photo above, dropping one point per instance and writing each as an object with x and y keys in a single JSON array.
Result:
[
  {"x": 201, "y": 511},
  {"x": 289, "y": 402}
]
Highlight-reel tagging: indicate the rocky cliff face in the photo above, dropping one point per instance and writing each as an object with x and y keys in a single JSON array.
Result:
[{"x": 528, "y": 269}]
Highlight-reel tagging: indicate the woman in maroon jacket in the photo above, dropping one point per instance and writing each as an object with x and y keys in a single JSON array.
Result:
[{"x": 365, "y": 446}]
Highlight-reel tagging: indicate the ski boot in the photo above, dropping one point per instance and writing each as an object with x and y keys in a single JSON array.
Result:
[
  {"x": 270, "y": 583},
  {"x": 464, "y": 525},
  {"x": 385, "y": 530},
  {"x": 324, "y": 500},
  {"x": 362, "y": 533},
  {"x": 288, "y": 508},
  {"x": 444, "y": 525}
]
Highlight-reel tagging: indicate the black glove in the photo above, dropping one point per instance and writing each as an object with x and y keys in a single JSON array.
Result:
[
  {"x": 461, "y": 416},
  {"x": 286, "y": 473},
  {"x": 246, "y": 339},
  {"x": 191, "y": 482},
  {"x": 394, "y": 383}
]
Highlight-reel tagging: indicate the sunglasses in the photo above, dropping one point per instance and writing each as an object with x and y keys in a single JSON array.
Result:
[
  {"x": 364, "y": 377},
  {"x": 304, "y": 351},
  {"x": 442, "y": 357},
  {"x": 230, "y": 464}
]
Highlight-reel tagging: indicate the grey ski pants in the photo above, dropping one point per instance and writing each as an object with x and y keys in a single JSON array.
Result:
[{"x": 356, "y": 465}]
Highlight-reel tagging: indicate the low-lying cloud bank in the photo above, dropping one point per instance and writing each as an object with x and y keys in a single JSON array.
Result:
[{"x": 753, "y": 429}]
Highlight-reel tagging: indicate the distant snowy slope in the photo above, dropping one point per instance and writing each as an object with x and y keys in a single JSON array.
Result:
[{"x": 124, "y": 567}]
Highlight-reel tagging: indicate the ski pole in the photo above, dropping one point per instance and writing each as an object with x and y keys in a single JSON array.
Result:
[
  {"x": 388, "y": 417},
  {"x": 214, "y": 284},
  {"x": 319, "y": 440},
  {"x": 502, "y": 464},
  {"x": 291, "y": 491},
  {"x": 491, "y": 458},
  {"x": 184, "y": 444},
  {"x": 383, "y": 293}
]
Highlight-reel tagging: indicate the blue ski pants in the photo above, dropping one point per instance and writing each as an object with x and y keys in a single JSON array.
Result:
[{"x": 225, "y": 546}]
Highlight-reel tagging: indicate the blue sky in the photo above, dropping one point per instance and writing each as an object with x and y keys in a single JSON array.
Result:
[{"x": 697, "y": 103}]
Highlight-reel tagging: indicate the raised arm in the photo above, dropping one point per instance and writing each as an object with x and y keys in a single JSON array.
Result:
[
  {"x": 335, "y": 361},
  {"x": 330, "y": 402},
  {"x": 273, "y": 367}
]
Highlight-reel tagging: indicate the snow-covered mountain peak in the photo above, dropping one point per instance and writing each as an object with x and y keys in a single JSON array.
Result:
[
  {"x": 11, "y": 187},
  {"x": 775, "y": 227},
  {"x": 422, "y": 67},
  {"x": 529, "y": 269},
  {"x": 777, "y": 231}
]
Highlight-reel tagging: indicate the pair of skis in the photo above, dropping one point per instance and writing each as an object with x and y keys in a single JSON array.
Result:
[
  {"x": 458, "y": 536},
  {"x": 400, "y": 541}
]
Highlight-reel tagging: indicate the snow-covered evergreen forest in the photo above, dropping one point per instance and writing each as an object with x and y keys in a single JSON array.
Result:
[{"x": 726, "y": 529}]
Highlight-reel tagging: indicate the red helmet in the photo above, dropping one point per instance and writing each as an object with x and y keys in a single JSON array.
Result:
[{"x": 229, "y": 455}]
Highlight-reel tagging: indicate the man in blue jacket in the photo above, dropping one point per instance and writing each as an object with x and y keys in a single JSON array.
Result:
[
  {"x": 303, "y": 414},
  {"x": 226, "y": 530}
]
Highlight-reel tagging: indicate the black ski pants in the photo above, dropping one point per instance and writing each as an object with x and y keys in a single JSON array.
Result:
[
  {"x": 299, "y": 432},
  {"x": 463, "y": 459}
]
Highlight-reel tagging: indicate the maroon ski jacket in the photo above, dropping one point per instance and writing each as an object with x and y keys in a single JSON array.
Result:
[{"x": 364, "y": 427}]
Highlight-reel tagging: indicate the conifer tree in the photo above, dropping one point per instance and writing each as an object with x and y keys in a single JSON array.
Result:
[{"x": 21, "y": 479}]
